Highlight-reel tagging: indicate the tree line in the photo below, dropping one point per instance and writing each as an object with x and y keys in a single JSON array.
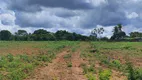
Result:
[
  {"x": 44, "y": 35},
  {"x": 41, "y": 35},
  {"x": 118, "y": 34}
]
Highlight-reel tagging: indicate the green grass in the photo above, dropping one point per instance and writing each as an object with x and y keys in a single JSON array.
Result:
[
  {"x": 18, "y": 67},
  {"x": 104, "y": 74}
]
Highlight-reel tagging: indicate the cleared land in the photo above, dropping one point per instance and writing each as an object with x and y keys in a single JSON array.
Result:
[{"x": 66, "y": 60}]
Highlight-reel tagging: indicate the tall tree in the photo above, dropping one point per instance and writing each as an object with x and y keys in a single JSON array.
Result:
[
  {"x": 42, "y": 35},
  {"x": 5, "y": 35},
  {"x": 135, "y": 34},
  {"x": 63, "y": 35},
  {"x": 98, "y": 32},
  {"x": 118, "y": 33},
  {"x": 21, "y": 35}
]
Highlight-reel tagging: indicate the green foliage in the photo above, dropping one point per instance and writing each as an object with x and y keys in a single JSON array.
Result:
[
  {"x": 90, "y": 76},
  {"x": 134, "y": 74},
  {"x": 18, "y": 67},
  {"x": 17, "y": 75},
  {"x": 10, "y": 57},
  {"x": 5, "y": 35},
  {"x": 87, "y": 69},
  {"x": 21, "y": 35},
  {"x": 97, "y": 32},
  {"x": 69, "y": 64},
  {"x": 135, "y": 34},
  {"x": 1, "y": 76},
  {"x": 91, "y": 69},
  {"x": 44, "y": 58},
  {"x": 2, "y": 62},
  {"x": 28, "y": 68},
  {"x": 25, "y": 58},
  {"x": 126, "y": 47},
  {"x": 116, "y": 63},
  {"x": 118, "y": 33},
  {"x": 104, "y": 74}
]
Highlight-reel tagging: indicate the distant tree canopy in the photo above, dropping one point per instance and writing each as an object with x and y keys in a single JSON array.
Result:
[
  {"x": 44, "y": 35},
  {"x": 5, "y": 35},
  {"x": 21, "y": 35},
  {"x": 135, "y": 34},
  {"x": 118, "y": 33},
  {"x": 97, "y": 32},
  {"x": 41, "y": 35}
]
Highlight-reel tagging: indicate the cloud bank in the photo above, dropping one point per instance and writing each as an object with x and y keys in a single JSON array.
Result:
[{"x": 79, "y": 16}]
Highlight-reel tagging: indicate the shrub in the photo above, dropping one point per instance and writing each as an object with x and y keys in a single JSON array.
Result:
[
  {"x": 1, "y": 77},
  {"x": 12, "y": 66},
  {"x": 69, "y": 64},
  {"x": 91, "y": 69},
  {"x": 134, "y": 74},
  {"x": 25, "y": 58},
  {"x": 90, "y": 76},
  {"x": 104, "y": 74},
  {"x": 10, "y": 57},
  {"x": 3, "y": 61},
  {"x": 28, "y": 68},
  {"x": 17, "y": 75},
  {"x": 84, "y": 67},
  {"x": 116, "y": 63}
]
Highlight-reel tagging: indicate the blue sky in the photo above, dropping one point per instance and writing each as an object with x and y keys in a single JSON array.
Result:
[{"x": 79, "y": 16}]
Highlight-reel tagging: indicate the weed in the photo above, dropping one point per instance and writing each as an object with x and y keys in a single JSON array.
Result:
[
  {"x": 67, "y": 56},
  {"x": 116, "y": 63},
  {"x": 69, "y": 64},
  {"x": 91, "y": 69},
  {"x": 104, "y": 74},
  {"x": 25, "y": 58},
  {"x": 84, "y": 67},
  {"x": 17, "y": 75},
  {"x": 1, "y": 77},
  {"x": 90, "y": 76},
  {"x": 134, "y": 74},
  {"x": 10, "y": 57}
]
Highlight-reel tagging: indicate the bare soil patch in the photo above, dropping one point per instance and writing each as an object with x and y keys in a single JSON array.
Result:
[{"x": 58, "y": 70}]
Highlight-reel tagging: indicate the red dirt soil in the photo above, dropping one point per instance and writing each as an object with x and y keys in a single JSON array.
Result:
[{"x": 58, "y": 70}]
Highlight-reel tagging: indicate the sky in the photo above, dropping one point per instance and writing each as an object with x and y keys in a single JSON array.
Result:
[{"x": 80, "y": 16}]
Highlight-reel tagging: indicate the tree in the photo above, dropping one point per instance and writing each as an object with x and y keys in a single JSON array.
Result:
[
  {"x": 97, "y": 32},
  {"x": 42, "y": 35},
  {"x": 21, "y": 35},
  {"x": 5, "y": 35},
  {"x": 118, "y": 33},
  {"x": 63, "y": 35},
  {"x": 135, "y": 34}
]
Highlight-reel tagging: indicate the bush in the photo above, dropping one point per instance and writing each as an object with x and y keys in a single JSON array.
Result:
[
  {"x": 1, "y": 77},
  {"x": 116, "y": 63},
  {"x": 25, "y": 58},
  {"x": 17, "y": 75},
  {"x": 91, "y": 76},
  {"x": 10, "y": 57},
  {"x": 91, "y": 69},
  {"x": 3, "y": 61},
  {"x": 105, "y": 74},
  {"x": 69, "y": 64},
  {"x": 84, "y": 67},
  {"x": 134, "y": 74},
  {"x": 28, "y": 68}
]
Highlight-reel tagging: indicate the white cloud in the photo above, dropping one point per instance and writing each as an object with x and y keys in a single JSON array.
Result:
[
  {"x": 132, "y": 15},
  {"x": 72, "y": 15}
]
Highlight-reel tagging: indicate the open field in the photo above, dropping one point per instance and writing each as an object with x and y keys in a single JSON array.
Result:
[{"x": 70, "y": 60}]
